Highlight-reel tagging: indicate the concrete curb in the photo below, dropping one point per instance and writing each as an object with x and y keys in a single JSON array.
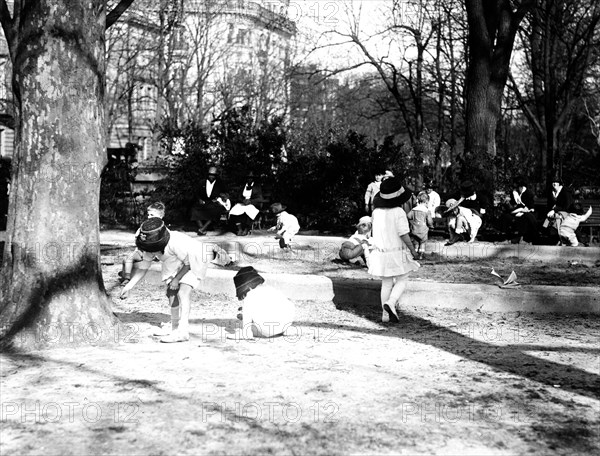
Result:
[
  {"x": 489, "y": 298},
  {"x": 307, "y": 287},
  {"x": 265, "y": 245},
  {"x": 297, "y": 287}
]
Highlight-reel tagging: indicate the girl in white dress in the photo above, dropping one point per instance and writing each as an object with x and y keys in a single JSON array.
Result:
[{"x": 392, "y": 255}]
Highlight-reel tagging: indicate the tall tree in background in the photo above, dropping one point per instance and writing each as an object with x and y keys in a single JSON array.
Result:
[
  {"x": 493, "y": 25},
  {"x": 560, "y": 40},
  {"x": 51, "y": 265}
]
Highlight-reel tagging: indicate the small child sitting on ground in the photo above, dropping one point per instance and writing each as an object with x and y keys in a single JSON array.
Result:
[
  {"x": 420, "y": 220},
  {"x": 287, "y": 225},
  {"x": 569, "y": 222},
  {"x": 157, "y": 210},
  {"x": 356, "y": 248},
  {"x": 266, "y": 312}
]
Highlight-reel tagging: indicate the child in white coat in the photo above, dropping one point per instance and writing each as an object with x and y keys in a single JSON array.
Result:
[
  {"x": 266, "y": 312},
  {"x": 287, "y": 225}
]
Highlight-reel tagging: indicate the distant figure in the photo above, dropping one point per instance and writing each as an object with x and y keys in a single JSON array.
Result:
[
  {"x": 473, "y": 200},
  {"x": 521, "y": 213},
  {"x": 287, "y": 225},
  {"x": 434, "y": 199},
  {"x": 266, "y": 312},
  {"x": 372, "y": 190},
  {"x": 420, "y": 221},
  {"x": 466, "y": 213},
  {"x": 356, "y": 248},
  {"x": 223, "y": 200},
  {"x": 560, "y": 199},
  {"x": 569, "y": 222},
  {"x": 245, "y": 211},
  {"x": 207, "y": 209},
  {"x": 462, "y": 222},
  {"x": 392, "y": 256}
]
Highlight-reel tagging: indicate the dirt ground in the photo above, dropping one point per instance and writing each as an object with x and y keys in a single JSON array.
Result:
[{"x": 440, "y": 382}]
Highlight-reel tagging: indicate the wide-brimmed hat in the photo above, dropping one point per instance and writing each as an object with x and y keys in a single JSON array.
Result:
[
  {"x": 467, "y": 188},
  {"x": 276, "y": 208},
  {"x": 364, "y": 220},
  {"x": 452, "y": 204},
  {"x": 245, "y": 280},
  {"x": 391, "y": 194},
  {"x": 153, "y": 236}
]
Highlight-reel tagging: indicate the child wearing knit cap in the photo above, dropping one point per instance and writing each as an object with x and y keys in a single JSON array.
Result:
[{"x": 266, "y": 312}]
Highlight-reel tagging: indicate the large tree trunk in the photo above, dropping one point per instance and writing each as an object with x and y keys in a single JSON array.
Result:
[
  {"x": 492, "y": 29},
  {"x": 51, "y": 284},
  {"x": 479, "y": 122}
]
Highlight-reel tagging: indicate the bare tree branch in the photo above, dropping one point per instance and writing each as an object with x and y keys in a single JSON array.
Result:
[{"x": 116, "y": 13}]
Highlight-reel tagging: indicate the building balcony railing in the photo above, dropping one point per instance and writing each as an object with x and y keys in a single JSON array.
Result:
[{"x": 247, "y": 9}]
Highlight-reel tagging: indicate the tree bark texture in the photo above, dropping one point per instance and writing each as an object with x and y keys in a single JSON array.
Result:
[
  {"x": 492, "y": 29},
  {"x": 51, "y": 276}
]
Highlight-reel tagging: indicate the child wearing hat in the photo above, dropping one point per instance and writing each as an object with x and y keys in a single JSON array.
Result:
[
  {"x": 420, "y": 220},
  {"x": 461, "y": 221},
  {"x": 393, "y": 255},
  {"x": 287, "y": 225},
  {"x": 157, "y": 210},
  {"x": 266, "y": 312},
  {"x": 356, "y": 248},
  {"x": 184, "y": 263}
]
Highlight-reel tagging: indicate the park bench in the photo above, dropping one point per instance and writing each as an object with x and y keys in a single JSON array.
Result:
[
  {"x": 593, "y": 222},
  {"x": 586, "y": 229}
]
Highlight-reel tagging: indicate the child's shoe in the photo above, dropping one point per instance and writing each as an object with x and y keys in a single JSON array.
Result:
[
  {"x": 176, "y": 336},
  {"x": 124, "y": 278},
  {"x": 390, "y": 309},
  {"x": 164, "y": 330},
  {"x": 385, "y": 317}
]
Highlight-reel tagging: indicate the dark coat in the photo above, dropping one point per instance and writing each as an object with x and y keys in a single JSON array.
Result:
[
  {"x": 476, "y": 205},
  {"x": 527, "y": 198},
  {"x": 217, "y": 190},
  {"x": 256, "y": 198},
  {"x": 563, "y": 202}
]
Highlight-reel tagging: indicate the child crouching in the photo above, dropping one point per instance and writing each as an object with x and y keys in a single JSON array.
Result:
[
  {"x": 184, "y": 265},
  {"x": 356, "y": 248},
  {"x": 287, "y": 225},
  {"x": 266, "y": 312}
]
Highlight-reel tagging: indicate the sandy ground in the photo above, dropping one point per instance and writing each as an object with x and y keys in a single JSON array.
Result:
[{"x": 440, "y": 382}]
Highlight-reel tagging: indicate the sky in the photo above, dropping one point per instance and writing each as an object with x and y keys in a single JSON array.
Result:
[
  {"x": 317, "y": 19},
  {"x": 321, "y": 19}
]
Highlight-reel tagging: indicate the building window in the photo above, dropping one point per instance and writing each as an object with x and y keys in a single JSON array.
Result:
[
  {"x": 242, "y": 36},
  {"x": 147, "y": 148},
  {"x": 231, "y": 33}
]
